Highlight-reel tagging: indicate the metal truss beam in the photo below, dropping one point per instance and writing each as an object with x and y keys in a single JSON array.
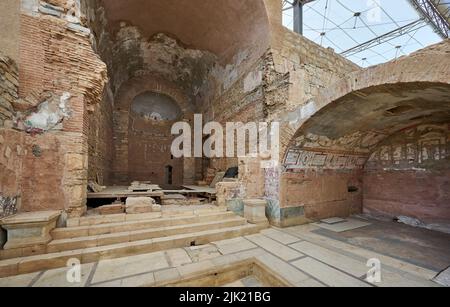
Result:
[
  {"x": 297, "y": 6},
  {"x": 436, "y": 16},
  {"x": 411, "y": 27}
]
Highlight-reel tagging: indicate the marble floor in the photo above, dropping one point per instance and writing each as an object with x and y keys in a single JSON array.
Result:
[{"x": 303, "y": 256}]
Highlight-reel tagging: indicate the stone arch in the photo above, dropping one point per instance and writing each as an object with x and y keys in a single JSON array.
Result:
[
  {"x": 326, "y": 143},
  {"x": 424, "y": 69},
  {"x": 123, "y": 102}
]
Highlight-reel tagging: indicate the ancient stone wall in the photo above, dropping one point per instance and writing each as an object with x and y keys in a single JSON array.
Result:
[
  {"x": 9, "y": 84},
  {"x": 142, "y": 143},
  {"x": 11, "y": 142},
  {"x": 101, "y": 141},
  {"x": 10, "y": 25},
  {"x": 296, "y": 71},
  {"x": 46, "y": 154},
  {"x": 408, "y": 175},
  {"x": 308, "y": 68}
]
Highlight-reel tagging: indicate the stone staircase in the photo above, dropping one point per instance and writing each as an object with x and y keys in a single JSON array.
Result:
[{"x": 105, "y": 238}]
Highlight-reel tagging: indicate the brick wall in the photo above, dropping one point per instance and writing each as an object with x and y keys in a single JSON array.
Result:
[
  {"x": 8, "y": 90},
  {"x": 310, "y": 67},
  {"x": 100, "y": 141},
  {"x": 323, "y": 193},
  {"x": 56, "y": 57},
  {"x": 409, "y": 175}
]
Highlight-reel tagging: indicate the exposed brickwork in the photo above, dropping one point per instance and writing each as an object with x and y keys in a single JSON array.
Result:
[
  {"x": 100, "y": 141},
  {"x": 11, "y": 153},
  {"x": 283, "y": 77},
  {"x": 8, "y": 89},
  {"x": 126, "y": 139},
  {"x": 323, "y": 194},
  {"x": 409, "y": 175},
  {"x": 57, "y": 177}
]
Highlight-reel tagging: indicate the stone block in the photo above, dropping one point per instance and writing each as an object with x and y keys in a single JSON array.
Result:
[
  {"x": 29, "y": 229},
  {"x": 156, "y": 208},
  {"x": 226, "y": 191},
  {"x": 136, "y": 205},
  {"x": 255, "y": 211},
  {"x": 2, "y": 237},
  {"x": 111, "y": 209}
]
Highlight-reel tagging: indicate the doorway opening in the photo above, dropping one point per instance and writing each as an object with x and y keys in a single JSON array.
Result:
[{"x": 168, "y": 174}]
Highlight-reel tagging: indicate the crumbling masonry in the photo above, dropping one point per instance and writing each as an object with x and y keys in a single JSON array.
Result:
[{"x": 353, "y": 140}]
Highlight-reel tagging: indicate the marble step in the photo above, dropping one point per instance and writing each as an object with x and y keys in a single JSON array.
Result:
[
  {"x": 37, "y": 263},
  {"x": 103, "y": 229},
  {"x": 137, "y": 235},
  {"x": 120, "y": 218}
]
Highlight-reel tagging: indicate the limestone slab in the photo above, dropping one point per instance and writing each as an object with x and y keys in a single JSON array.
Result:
[
  {"x": 333, "y": 220},
  {"x": 19, "y": 281},
  {"x": 178, "y": 257},
  {"x": 167, "y": 275},
  {"x": 349, "y": 224},
  {"x": 195, "y": 268},
  {"x": 284, "y": 252},
  {"x": 337, "y": 260},
  {"x": 204, "y": 252},
  {"x": 129, "y": 282},
  {"x": 135, "y": 205},
  {"x": 309, "y": 283},
  {"x": 127, "y": 266},
  {"x": 282, "y": 268},
  {"x": 327, "y": 274},
  {"x": 279, "y": 236},
  {"x": 58, "y": 277},
  {"x": 29, "y": 229},
  {"x": 235, "y": 245},
  {"x": 31, "y": 217},
  {"x": 443, "y": 278}
]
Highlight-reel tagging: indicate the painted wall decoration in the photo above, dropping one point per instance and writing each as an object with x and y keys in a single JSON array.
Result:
[
  {"x": 416, "y": 149},
  {"x": 8, "y": 206},
  {"x": 305, "y": 159}
]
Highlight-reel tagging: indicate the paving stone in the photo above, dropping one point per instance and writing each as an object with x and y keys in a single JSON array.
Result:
[
  {"x": 205, "y": 252},
  {"x": 309, "y": 283},
  {"x": 390, "y": 279},
  {"x": 342, "y": 262},
  {"x": 443, "y": 278},
  {"x": 282, "y": 251},
  {"x": 17, "y": 281},
  {"x": 167, "y": 275},
  {"x": 279, "y": 236},
  {"x": 235, "y": 245},
  {"x": 134, "y": 281},
  {"x": 58, "y": 277},
  {"x": 333, "y": 220},
  {"x": 178, "y": 257},
  {"x": 195, "y": 268},
  {"x": 327, "y": 274},
  {"x": 235, "y": 284},
  {"x": 252, "y": 253},
  {"x": 225, "y": 260},
  {"x": 282, "y": 268},
  {"x": 349, "y": 224},
  {"x": 252, "y": 282},
  {"x": 124, "y": 267}
]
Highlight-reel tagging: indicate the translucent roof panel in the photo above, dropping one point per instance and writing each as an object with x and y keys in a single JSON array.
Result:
[{"x": 345, "y": 24}]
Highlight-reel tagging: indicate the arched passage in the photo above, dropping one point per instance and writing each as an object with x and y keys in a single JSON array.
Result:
[
  {"x": 192, "y": 51},
  {"x": 376, "y": 141},
  {"x": 146, "y": 108},
  {"x": 151, "y": 117}
]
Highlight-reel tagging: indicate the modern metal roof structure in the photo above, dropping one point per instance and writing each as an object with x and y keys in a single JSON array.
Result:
[{"x": 372, "y": 31}]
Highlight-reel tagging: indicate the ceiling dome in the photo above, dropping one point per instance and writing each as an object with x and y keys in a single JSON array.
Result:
[{"x": 221, "y": 27}]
